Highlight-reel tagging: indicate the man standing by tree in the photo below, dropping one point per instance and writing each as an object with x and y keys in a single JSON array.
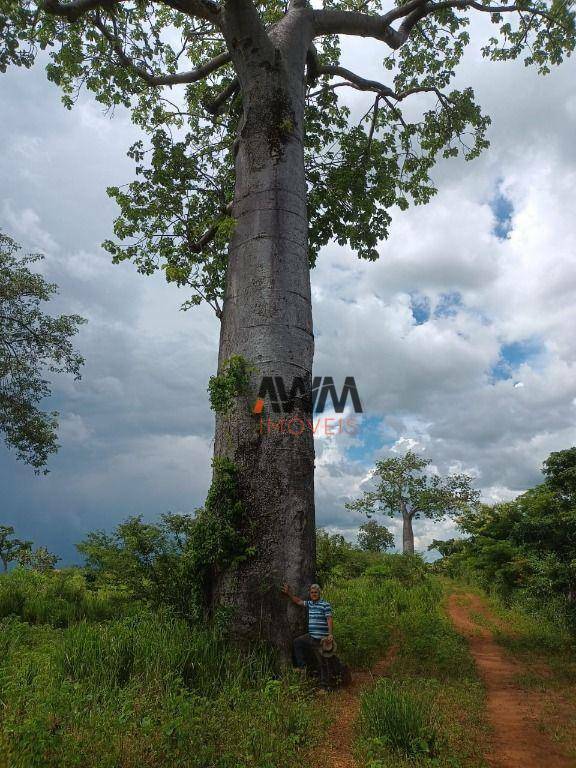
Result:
[
  {"x": 258, "y": 166},
  {"x": 320, "y": 624},
  {"x": 403, "y": 488}
]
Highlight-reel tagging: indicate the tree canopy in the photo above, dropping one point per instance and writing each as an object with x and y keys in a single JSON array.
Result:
[
  {"x": 373, "y": 537},
  {"x": 10, "y": 547},
  {"x": 175, "y": 215},
  {"x": 524, "y": 547},
  {"x": 31, "y": 343},
  {"x": 404, "y": 487}
]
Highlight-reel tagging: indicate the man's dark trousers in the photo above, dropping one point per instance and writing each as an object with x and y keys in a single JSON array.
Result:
[{"x": 305, "y": 643}]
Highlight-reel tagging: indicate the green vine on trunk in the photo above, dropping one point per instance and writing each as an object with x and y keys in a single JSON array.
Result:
[
  {"x": 232, "y": 382},
  {"x": 216, "y": 539}
]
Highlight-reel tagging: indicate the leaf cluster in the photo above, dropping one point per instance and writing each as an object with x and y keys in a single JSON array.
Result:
[{"x": 31, "y": 344}]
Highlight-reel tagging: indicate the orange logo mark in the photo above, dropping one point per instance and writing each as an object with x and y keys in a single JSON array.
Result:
[{"x": 258, "y": 405}]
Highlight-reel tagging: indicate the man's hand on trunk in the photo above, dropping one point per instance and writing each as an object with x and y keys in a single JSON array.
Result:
[{"x": 287, "y": 590}]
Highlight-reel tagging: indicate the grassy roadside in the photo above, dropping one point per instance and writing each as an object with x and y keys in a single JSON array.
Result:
[
  {"x": 429, "y": 711},
  {"x": 83, "y": 682},
  {"x": 86, "y": 679},
  {"x": 433, "y": 686}
]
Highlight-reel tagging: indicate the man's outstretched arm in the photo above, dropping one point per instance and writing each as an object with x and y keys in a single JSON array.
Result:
[
  {"x": 330, "y": 626},
  {"x": 287, "y": 590}
]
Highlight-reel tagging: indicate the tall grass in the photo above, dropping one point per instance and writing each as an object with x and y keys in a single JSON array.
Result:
[
  {"x": 59, "y": 598},
  {"x": 396, "y": 718},
  {"x": 145, "y": 690},
  {"x": 158, "y": 649},
  {"x": 88, "y": 680},
  {"x": 429, "y": 711}
]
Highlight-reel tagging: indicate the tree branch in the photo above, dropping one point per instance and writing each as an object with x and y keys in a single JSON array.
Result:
[
  {"x": 214, "y": 106},
  {"x": 354, "y": 80},
  {"x": 209, "y": 235},
  {"x": 72, "y": 11},
  {"x": 203, "y": 9},
  {"x": 191, "y": 76},
  {"x": 362, "y": 84},
  {"x": 334, "y": 22}
]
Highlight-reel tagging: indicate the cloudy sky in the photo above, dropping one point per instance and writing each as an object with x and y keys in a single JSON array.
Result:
[{"x": 461, "y": 337}]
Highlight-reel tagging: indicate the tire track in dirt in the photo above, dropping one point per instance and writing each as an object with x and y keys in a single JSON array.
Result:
[
  {"x": 514, "y": 712},
  {"x": 336, "y": 750}
]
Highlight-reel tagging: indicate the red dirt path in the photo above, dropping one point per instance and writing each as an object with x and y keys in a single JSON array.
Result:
[
  {"x": 336, "y": 751},
  {"x": 513, "y": 712}
]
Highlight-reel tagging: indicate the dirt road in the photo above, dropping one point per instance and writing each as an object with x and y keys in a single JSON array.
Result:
[
  {"x": 336, "y": 751},
  {"x": 514, "y": 712}
]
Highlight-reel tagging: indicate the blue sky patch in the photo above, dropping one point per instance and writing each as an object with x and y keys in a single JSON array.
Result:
[
  {"x": 503, "y": 211},
  {"x": 371, "y": 439},
  {"x": 448, "y": 304},
  {"x": 512, "y": 356},
  {"x": 420, "y": 308}
]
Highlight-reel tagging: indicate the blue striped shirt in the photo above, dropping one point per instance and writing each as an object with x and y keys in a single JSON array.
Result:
[{"x": 318, "y": 613}]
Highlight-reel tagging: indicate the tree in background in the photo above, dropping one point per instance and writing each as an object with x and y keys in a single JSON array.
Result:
[
  {"x": 31, "y": 343},
  {"x": 10, "y": 548},
  {"x": 254, "y": 165},
  {"x": 39, "y": 559},
  {"x": 150, "y": 561},
  {"x": 403, "y": 488},
  {"x": 560, "y": 472},
  {"x": 373, "y": 537},
  {"x": 526, "y": 546}
]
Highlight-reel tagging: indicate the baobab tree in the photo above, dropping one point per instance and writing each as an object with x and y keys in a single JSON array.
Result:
[
  {"x": 252, "y": 166},
  {"x": 404, "y": 488}
]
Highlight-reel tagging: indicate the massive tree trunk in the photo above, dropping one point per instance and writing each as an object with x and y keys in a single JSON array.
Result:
[
  {"x": 407, "y": 534},
  {"x": 267, "y": 318}
]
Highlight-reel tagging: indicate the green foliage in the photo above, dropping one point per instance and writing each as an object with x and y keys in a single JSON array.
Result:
[
  {"x": 149, "y": 562},
  {"x": 216, "y": 541},
  {"x": 357, "y": 172},
  {"x": 338, "y": 558},
  {"x": 39, "y": 559},
  {"x": 406, "y": 568},
  {"x": 57, "y": 599},
  {"x": 10, "y": 548},
  {"x": 523, "y": 550},
  {"x": 171, "y": 563},
  {"x": 232, "y": 382},
  {"x": 394, "y": 719},
  {"x": 373, "y": 537},
  {"x": 31, "y": 343},
  {"x": 560, "y": 472}
]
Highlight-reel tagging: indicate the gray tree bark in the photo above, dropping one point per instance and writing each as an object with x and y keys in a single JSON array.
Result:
[
  {"x": 407, "y": 534},
  {"x": 267, "y": 318}
]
